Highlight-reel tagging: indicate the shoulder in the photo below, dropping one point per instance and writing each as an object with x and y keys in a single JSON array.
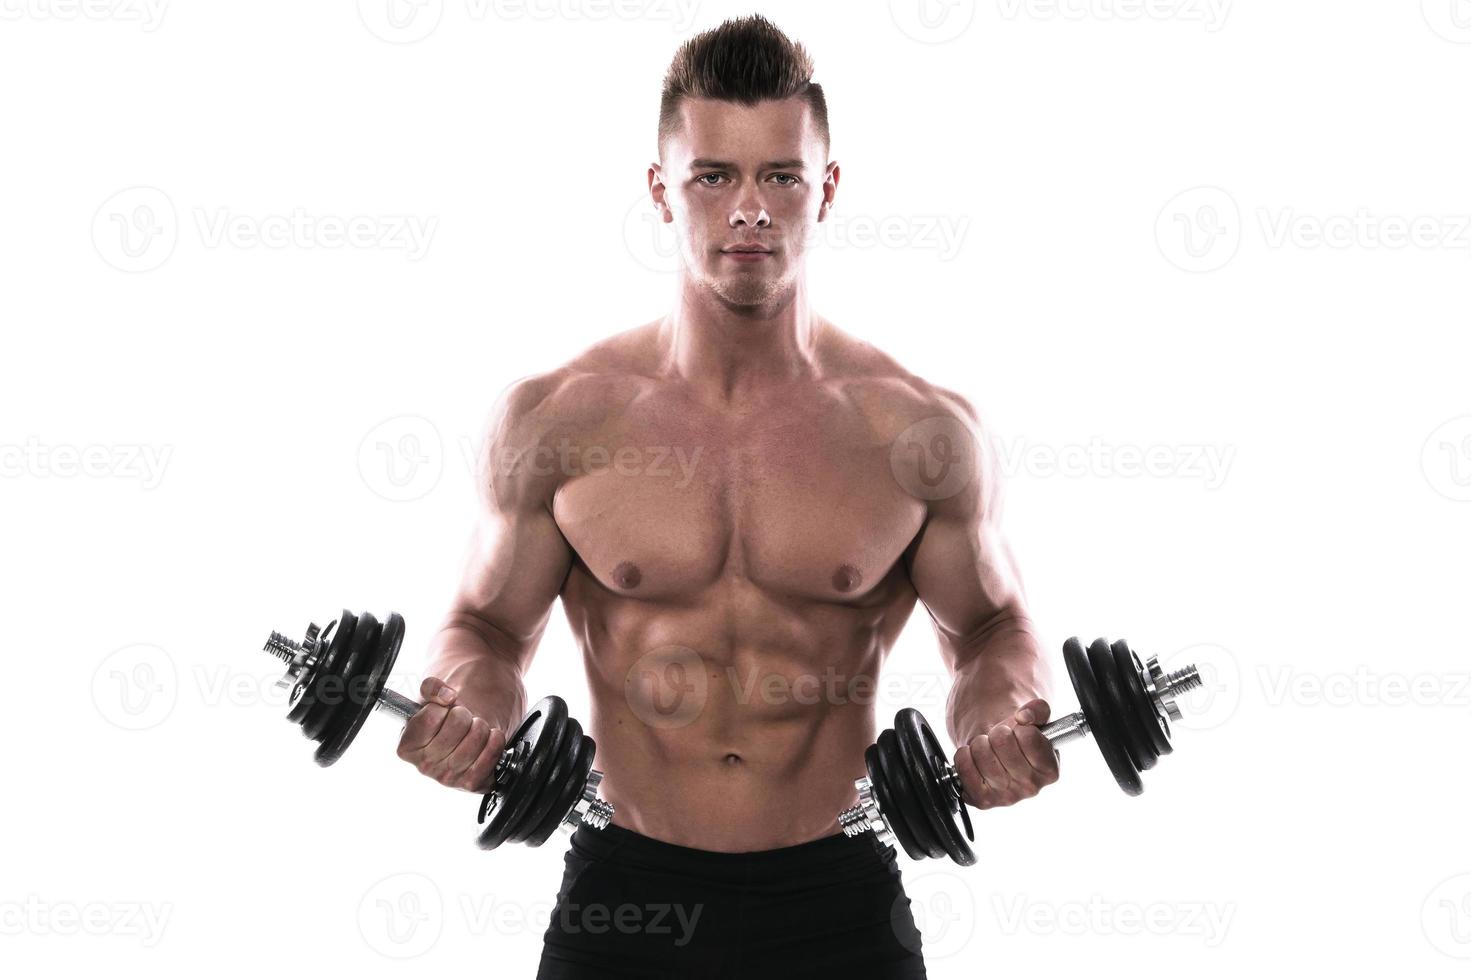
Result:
[
  {"x": 887, "y": 391},
  {"x": 536, "y": 413},
  {"x": 584, "y": 388},
  {"x": 937, "y": 442}
]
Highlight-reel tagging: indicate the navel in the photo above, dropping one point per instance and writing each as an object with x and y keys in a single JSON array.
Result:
[
  {"x": 627, "y": 575},
  {"x": 847, "y": 578}
]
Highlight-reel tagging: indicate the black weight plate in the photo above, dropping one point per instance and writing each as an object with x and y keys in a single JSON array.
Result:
[
  {"x": 1135, "y": 737},
  {"x": 1132, "y": 672},
  {"x": 332, "y": 702},
  {"x": 564, "y": 785},
  {"x": 575, "y": 785},
  {"x": 494, "y": 803},
  {"x": 883, "y": 796},
  {"x": 1091, "y": 702},
  {"x": 302, "y": 697},
  {"x": 952, "y": 803},
  {"x": 552, "y": 782},
  {"x": 923, "y": 757},
  {"x": 912, "y": 823},
  {"x": 917, "y": 746},
  {"x": 329, "y": 665},
  {"x": 521, "y": 794},
  {"x": 359, "y": 654},
  {"x": 364, "y": 690},
  {"x": 542, "y": 729}
]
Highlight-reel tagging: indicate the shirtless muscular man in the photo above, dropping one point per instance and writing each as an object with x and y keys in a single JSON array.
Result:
[{"x": 797, "y": 520}]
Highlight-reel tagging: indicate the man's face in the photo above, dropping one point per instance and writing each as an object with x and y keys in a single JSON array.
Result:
[{"x": 734, "y": 177}]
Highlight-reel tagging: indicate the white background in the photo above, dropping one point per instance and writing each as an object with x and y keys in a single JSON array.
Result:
[{"x": 1199, "y": 230}]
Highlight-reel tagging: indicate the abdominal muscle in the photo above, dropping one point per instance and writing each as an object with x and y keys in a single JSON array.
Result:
[
  {"x": 741, "y": 749},
  {"x": 734, "y": 779}
]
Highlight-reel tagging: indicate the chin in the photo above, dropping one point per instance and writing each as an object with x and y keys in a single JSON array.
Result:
[{"x": 746, "y": 292}]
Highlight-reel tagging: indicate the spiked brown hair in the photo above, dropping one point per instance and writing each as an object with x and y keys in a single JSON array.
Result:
[{"x": 745, "y": 60}]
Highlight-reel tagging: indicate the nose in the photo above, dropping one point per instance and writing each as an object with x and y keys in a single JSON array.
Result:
[{"x": 751, "y": 214}]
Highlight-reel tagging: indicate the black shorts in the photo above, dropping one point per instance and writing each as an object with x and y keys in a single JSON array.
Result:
[{"x": 632, "y": 906}]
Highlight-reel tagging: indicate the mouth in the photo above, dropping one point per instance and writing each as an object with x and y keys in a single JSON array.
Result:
[{"x": 747, "y": 253}]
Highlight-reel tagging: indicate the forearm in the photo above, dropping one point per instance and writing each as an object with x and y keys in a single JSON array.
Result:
[
  {"x": 997, "y": 672},
  {"x": 483, "y": 668}
]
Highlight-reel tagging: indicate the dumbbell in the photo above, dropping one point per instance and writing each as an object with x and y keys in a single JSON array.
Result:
[
  {"x": 544, "y": 779},
  {"x": 912, "y": 793}
]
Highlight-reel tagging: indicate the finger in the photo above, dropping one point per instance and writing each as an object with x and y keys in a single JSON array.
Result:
[
  {"x": 456, "y": 726},
  {"x": 1039, "y": 752},
  {"x": 1034, "y": 712},
  {"x": 983, "y": 750},
  {"x": 1018, "y": 770},
  {"x": 452, "y": 769},
  {"x": 477, "y": 778},
  {"x": 420, "y": 731},
  {"x": 436, "y": 690},
  {"x": 976, "y": 791}
]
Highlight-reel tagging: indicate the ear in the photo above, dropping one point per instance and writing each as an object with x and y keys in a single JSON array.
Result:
[
  {"x": 830, "y": 178},
  {"x": 657, "y": 191}
]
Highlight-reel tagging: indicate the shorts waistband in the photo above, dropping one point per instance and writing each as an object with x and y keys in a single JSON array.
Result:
[{"x": 833, "y": 855}]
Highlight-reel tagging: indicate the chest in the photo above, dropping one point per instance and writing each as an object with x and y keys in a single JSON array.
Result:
[{"x": 796, "y": 499}]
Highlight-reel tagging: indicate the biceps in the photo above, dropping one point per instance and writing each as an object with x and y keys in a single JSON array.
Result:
[
  {"x": 514, "y": 568},
  {"x": 966, "y": 576}
]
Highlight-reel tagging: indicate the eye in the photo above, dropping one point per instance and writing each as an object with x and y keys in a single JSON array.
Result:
[
  {"x": 794, "y": 180},
  {"x": 701, "y": 179}
]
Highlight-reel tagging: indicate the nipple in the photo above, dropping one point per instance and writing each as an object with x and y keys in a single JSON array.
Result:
[
  {"x": 627, "y": 575},
  {"x": 846, "y": 578}
]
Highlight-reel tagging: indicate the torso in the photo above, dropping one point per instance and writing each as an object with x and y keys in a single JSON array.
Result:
[{"x": 737, "y": 583}]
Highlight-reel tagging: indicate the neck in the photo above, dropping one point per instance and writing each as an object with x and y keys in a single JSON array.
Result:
[{"x": 730, "y": 350}]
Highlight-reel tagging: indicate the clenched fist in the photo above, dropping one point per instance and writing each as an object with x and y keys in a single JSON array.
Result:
[
  {"x": 1011, "y": 762},
  {"x": 448, "y": 743}
]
